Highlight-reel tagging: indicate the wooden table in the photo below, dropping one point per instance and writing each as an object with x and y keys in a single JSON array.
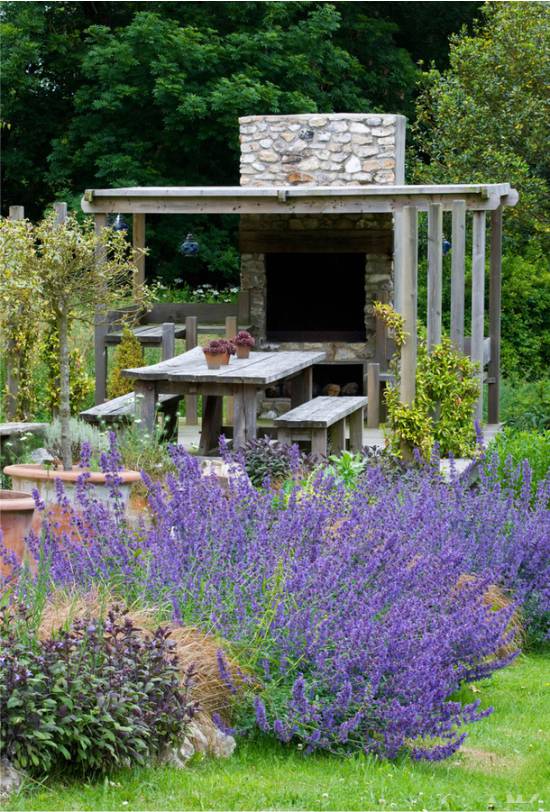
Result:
[{"x": 188, "y": 374}]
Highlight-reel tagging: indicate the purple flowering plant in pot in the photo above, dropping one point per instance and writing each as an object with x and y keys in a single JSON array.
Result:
[
  {"x": 359, "y": 616},
  {"x": 243, "y": 342}
]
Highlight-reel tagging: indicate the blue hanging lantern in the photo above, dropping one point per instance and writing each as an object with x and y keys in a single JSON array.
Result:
[
  {"x": 119, "y": 223},
  {"x": 189, "y": 247},
  {"x": 446, "y": 246}
]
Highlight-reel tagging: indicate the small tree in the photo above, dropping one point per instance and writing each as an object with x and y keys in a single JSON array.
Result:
[{"x": 69, "y": 273}]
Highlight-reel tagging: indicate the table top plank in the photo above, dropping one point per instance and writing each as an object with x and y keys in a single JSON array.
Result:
[{"x": 260, "y": 368}]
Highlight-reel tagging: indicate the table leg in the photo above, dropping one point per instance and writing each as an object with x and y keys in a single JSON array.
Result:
[
  {"x": 211, "y": 423},
  {"x": 301, "y": 387},
  {"x": 244, "y": 428},
  {"x": 146, "y": 403}
]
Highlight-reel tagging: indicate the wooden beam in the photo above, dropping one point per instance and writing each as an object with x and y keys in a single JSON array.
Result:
[
  {"x": 100, "y": 331},
  {"x": 397, "y": 247},
  {"x": 457, "y": 273},
  {"x": 138, "y": 242},
  {"x": 408, "y": 273},
  {"x": 478, "y": 302},
  {"x": 12, "y": 381},
  {"x": 435, "y": 273},
  {"x": 495, "y": 296}
]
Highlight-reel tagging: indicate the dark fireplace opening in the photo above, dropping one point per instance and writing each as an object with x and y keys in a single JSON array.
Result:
[{"x": 315, "y": 297}]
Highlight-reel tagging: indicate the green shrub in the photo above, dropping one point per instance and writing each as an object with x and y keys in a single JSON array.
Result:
[
  {"x": 97, "y": 696},
  {"x": 525, "y": 404},
  {"x": 128, "y": 354},
  {"x": 520, "y": 446}
]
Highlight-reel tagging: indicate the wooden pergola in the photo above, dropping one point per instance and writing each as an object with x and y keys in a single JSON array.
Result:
[{"x": 405, "y": 203}]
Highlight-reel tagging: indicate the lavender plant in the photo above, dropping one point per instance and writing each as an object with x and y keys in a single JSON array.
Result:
[{"x": 358, "y": 614}]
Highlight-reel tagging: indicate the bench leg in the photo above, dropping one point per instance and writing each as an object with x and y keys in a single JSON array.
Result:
[
  {"x": 301, "y": 388},
  {"x": 337, "y": 434},
  {"x": 211, "y": 423},
  {"x": 146, "y": 403},
  {"x": 356, "y": 430},
  {"x": 319, "y": 442}
]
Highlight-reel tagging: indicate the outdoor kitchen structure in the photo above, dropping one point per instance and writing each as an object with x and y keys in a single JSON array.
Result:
[{"x": 327, "y": 226}]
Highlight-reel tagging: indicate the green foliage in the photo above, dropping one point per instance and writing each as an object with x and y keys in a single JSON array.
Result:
[
  {"x": 144, "y": 451},
  {"x": 442, "y": 411},
  {"x": 81, "y": 384},
  {"x": 128, "y": 354},
  {"x": 486, "y": 117},
  {"x": 347, "y": 467},
  {"x": 521, "y": 446},
  {"x": 98, "y": 695},
  {"x": 526, "y": 404}
]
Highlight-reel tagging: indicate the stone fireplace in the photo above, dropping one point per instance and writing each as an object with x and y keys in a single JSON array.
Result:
[{"x": 311, "y": 279}]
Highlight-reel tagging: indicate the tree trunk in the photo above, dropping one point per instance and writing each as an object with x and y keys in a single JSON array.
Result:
[{"x": 64, "y": 390}]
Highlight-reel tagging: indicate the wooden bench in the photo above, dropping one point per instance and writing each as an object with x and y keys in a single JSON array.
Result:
[
  {"x": 323, "y": 419},
  {"x": 123, "y": 409}
]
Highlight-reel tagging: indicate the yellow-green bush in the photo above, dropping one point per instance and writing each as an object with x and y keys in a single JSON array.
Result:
[{"x": 129, "y": 353}]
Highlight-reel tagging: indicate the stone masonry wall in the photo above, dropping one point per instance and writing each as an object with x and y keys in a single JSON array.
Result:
[{"x": 336, "y": 149}]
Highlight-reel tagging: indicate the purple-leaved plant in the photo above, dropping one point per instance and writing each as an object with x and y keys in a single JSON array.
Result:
[{"x": 351, "y": 610}]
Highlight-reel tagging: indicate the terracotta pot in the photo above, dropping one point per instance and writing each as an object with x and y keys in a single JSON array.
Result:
[
  {"x": 28, "y": 477},
  {"x": 214, "y": 361},
  {"x": 16, "y": 515},
  {"x": 242, "y": 351},
  {"x": 225, "y": 358}
]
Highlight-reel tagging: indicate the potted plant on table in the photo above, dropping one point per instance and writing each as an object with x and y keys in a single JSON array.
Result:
[
  {"x": 216, "y": 353},
  {"x": 76, "y": 273},
  {"x": 243, "y": 342}
]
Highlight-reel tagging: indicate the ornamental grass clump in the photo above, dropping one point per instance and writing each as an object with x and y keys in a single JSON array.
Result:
[{"x": 357, "y": 614}]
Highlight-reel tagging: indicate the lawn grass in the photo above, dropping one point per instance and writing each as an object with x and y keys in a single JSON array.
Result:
[{"x": 503, "y": 765}]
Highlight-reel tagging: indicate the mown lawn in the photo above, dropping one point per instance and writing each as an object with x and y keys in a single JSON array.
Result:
[{"x": 505, "y": 764}]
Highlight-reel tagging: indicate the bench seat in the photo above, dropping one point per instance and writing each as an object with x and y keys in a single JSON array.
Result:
[
  {"x": 124, "y": 408},
  {"x": 323, "y": 419}
]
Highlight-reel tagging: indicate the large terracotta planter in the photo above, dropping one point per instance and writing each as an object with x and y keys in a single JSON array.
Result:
[
  {"x": 16, "y": 515},
  {"x": 28, "y": 477}
]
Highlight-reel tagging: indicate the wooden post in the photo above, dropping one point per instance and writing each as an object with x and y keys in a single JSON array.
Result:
[
  {"x": 100, "y": 331},
  {"x": 397, "y": 258},
  {"x": 191, "y": 411},
  {"x": 373, "y": 394},
  {"x": 337, "y": 436},
  {"x": 408, "y": 273},
  {"x": 60, "y": 212},
  {"x": 146, "y": 403},
  {"x": 138, "y": 242},
  {"x": 435, "y": 272},
  {"x": 168, "y": 346},
  {"x": 12, "y": 381},
  {"x": 478, "y": 302},
  {"x": 230, "y": 332},
  {"x": 495, "y": 283},
  {"x": 457, "y": 273},
  {"x": 301, "y": 388}
]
